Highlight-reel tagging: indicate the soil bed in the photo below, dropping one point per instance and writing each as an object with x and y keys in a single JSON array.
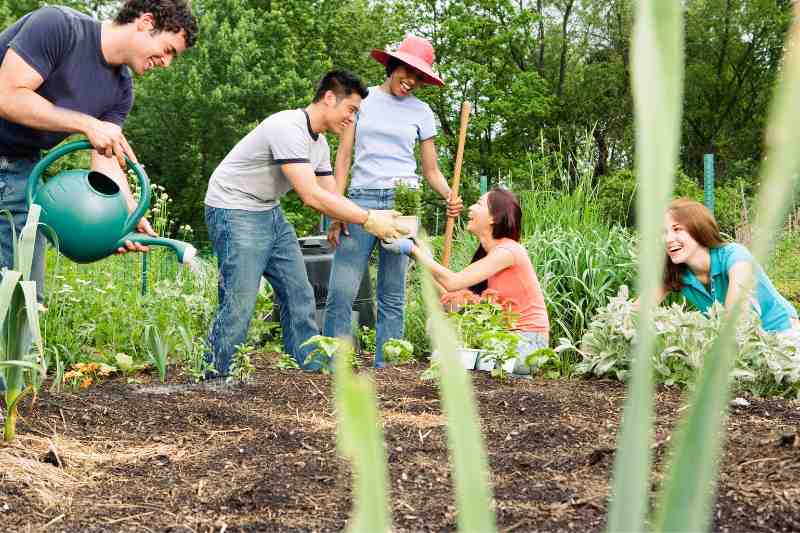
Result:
[{"x": 262, "y": 456}]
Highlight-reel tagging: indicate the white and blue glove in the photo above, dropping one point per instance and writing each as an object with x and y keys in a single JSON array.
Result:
[{"x": 398, "y": 246}]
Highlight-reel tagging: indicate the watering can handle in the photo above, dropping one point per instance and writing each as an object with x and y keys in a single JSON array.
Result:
[{"x": 61, "y": 151}]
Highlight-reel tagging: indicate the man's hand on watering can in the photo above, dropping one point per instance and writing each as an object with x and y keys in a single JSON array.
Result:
[
  {"x": 143, "y": 227},
  {"x": 108, "y": 140},
  {"x": 335, "y": 230}
]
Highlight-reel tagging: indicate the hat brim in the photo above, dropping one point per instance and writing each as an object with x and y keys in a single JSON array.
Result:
[{"x": 428, "y": 75}]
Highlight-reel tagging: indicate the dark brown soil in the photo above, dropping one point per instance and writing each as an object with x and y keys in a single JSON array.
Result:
[{"x": 262, "y": 457}]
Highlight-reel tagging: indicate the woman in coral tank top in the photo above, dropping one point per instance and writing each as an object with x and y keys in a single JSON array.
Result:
[{"x": 501, "y": 265}]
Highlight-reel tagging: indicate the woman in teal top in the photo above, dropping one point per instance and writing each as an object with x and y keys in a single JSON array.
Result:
[
  {"x": 390, "y": 125},
  {"x": 705, "y": 269}
]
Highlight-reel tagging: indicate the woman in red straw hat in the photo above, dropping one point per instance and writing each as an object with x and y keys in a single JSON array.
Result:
[{"x": 390, "y": 124}]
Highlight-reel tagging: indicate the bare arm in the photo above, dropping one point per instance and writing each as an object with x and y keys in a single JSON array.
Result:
[
  {"x": 497, "y": 260},
  {"x": 738, "y": 278},
  {"x": 20, "y": 104},
  {"x": 433, "y": 175},
  {"x": 302, "y": 178},
  {"x": 430, "y": 168},
  {"x": 344, "y": 158},
  {"x": 110, "y": 167}
]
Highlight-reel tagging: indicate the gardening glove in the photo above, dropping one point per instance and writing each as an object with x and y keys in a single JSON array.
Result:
[
  {"x": 384, "y": 224},
  {"x": 398, "y": 246}
]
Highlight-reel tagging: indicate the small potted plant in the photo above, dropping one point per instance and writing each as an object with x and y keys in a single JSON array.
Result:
[
  {"x": 408, "y": 201},
  {"x": 484, "y": 325}
]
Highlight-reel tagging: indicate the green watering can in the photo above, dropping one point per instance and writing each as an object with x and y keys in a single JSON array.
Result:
[{"x": 88, "y": 212}]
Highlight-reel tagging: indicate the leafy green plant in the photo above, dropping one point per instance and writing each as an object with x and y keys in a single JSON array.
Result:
[
  {"x": 367, "y": 340},
  {"x": 287, "y": 362},
  {"x": 398, "y": 351},
  {"x": 407, "y": 200},
  {"x": 22, "y": 364},
  {"x": 126, "y": 364},
  {"x": 194, "y": 355},
  {"x": 549, "y": 363},
  {"x": 326, "y": 348},
  {"x": 241, "y": 367},
  {"x": 157, "y": 350},
  {"x": 500, "y": 346}
]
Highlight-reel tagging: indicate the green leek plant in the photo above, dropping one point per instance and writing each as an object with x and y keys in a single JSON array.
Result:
[
  {"x": 22, "y": 363},
  {"x": 467, "y": 449},
  {"x": 359, "y": 437},
  {"x": 158, "y": 348}
]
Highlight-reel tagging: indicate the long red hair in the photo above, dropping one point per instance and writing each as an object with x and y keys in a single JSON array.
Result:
[{"x": 700, "y": 224}]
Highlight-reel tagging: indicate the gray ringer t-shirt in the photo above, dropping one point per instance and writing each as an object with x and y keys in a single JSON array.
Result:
[{"x": 250, "y": 176}]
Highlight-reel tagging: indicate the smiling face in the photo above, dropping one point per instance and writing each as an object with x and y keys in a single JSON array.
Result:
[
  {"x": 480, "y": 220},
  {"x": 403, "y": 80},
  {"x": 340, "y": 113},
  {"x": 680, "y": 245},
  {"x": 150, "y": 49}
]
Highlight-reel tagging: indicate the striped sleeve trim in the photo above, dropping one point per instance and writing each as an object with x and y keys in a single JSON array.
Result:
[{"x": 289, "y": 161}]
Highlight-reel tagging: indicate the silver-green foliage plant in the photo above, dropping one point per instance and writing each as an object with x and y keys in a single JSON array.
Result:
[
  {"x": 767, "y": 364},
  {"x": 398, "y": 351},
  {"x": 22, "y": 364}
]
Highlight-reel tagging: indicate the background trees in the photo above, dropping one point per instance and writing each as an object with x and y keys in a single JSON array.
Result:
[{"x": 540, "y": 74}]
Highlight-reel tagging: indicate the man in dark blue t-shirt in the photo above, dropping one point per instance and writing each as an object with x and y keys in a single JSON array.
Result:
[{"x": 62, "y": 72}]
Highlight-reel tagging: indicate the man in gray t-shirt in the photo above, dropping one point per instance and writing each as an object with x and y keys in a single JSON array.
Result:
[{"x": 249, "y": 233}]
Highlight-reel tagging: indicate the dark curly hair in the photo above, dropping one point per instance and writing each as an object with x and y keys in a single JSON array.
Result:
[{"x": 170, "y": 15}]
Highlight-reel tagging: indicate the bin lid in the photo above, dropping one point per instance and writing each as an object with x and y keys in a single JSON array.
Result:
[{"x": 315, "y": 244}]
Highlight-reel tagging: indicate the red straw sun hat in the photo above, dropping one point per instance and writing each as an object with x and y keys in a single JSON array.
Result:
[{"x": 415, "y": 52}]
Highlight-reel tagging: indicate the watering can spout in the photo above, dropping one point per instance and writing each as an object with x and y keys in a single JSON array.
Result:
[{"x": 183, "y": 250}]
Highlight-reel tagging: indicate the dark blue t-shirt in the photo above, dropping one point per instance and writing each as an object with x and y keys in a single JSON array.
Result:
[{"x": 63, "y": 46}]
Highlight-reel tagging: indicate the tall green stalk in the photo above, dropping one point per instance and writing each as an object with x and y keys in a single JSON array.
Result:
[
  {"x": 467, "y": 449},
  {"x": 19, "y": 316},
  {"x": 360, "y": 438},
  {"x": 657, "y": 66}
]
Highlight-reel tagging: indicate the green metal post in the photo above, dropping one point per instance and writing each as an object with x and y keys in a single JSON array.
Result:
[
  {"x": 144, "y": 274},
  {"x": 708, "y": 181},
  {"x": 484, "y": 185}
]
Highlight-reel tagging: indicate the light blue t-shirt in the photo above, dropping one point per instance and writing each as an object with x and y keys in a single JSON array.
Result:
[
  {"x": 774, "y": 309},
  {"x": 387, "y": 130}
]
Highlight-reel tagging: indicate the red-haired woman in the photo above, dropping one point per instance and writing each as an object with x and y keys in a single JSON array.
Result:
[
  {"x": 705, "y": 269},
  {"x": 501, "y": 264}
]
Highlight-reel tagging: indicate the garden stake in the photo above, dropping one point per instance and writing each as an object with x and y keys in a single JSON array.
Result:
[{"x": 462, "y": 137}]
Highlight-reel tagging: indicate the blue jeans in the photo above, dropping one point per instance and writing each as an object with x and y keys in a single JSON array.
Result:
[
  {"x": 13, "y": 183},
  {"x": 248, "y": 245},
  {"x": 350, "y": 262}
]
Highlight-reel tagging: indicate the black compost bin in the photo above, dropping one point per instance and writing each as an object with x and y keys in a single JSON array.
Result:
[{"x": 318, "y": 258}]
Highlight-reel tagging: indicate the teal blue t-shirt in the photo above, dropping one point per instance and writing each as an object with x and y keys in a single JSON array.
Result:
[{"x": 774, "y": 309}]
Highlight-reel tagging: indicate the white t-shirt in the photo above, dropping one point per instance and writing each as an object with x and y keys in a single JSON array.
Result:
[
  {"x": 387, "y": 131},
  {"x": 250, "y": 177}
]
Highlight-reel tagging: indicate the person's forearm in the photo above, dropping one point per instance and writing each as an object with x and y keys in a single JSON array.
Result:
[
  {"x": 342, "y": 168},
  {"x": 443, "y": 276},
  {"x": 438, "y": 183},
  {"x": 25, "y": 107},
  {"x": 109, "y": 167},
  {"x": 327, "y": 183},
  {"x": 335, "y": 206}
]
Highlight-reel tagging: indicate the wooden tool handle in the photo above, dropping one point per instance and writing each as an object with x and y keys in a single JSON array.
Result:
[{"x": 451, "y": 221}]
